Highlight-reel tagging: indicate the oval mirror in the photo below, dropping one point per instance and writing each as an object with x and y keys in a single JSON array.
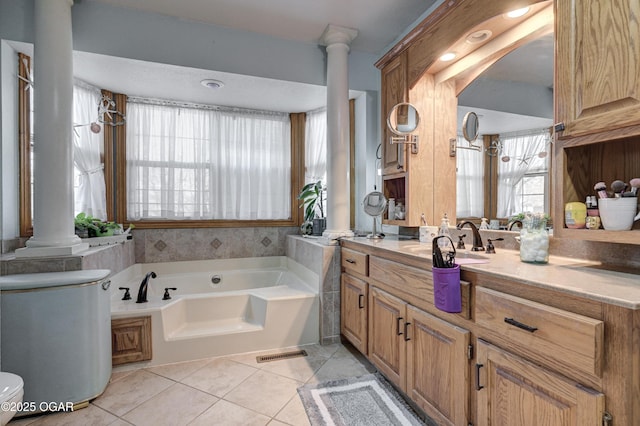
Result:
[
  {"x": 403, "y": 119},
  {"x": 375, "y": 203},
  {"x": 470, "y": 126}
]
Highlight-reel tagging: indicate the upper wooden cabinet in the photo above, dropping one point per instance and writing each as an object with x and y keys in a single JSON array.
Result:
[
  {"x": 598, "y": 68},
  {"x": 394, "y": 91},
  {"x": 597, "y": 97},
  {"x": 411, "y": 177}
]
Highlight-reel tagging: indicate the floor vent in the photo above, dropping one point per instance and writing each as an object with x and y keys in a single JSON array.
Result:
[{"x": 278, "y": 357}]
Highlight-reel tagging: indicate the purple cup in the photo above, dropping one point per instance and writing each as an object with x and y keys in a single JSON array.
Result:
[{"x": 446, "y": 289}]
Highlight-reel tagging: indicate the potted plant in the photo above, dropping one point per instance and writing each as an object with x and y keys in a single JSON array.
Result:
[
  {"x": 88, "y": 226},
  {"x": 311, "y": 199}
]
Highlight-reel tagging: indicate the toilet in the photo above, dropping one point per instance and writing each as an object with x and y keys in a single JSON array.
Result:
[{"x": 11, "y": 392}]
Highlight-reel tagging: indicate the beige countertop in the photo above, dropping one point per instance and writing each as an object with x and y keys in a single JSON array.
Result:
[{"x": 588, "y": 279}]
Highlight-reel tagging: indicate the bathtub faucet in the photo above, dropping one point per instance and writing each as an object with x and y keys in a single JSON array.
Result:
[{"x": 142, "y": 292}]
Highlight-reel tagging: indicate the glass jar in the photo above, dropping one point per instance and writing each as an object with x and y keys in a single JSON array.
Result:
[
  {"x": 534, "y": 239},
  {"x": 399, "y": 211}
]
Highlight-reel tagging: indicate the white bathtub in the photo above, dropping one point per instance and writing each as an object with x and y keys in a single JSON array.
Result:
[{"x": 259, "y": 304}]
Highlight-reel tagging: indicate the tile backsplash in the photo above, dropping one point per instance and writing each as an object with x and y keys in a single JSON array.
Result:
[{"x": 170, "y": 245}]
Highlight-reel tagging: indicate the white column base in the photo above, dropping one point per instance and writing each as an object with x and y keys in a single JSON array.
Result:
[{"x": 29, "y": 252}]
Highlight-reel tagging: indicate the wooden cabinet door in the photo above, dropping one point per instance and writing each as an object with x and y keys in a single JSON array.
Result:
[
  {"x": 515, "y": 392},
  {"x": 442, "y": 391},
  {"x": 353, "y": 311},
  {"x": 394, "y": 91},
  {"x": 597, "y": 66},
  {"x": 387, "y": 349}
]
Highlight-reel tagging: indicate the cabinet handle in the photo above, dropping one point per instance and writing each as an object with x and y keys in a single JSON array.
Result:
[
  {"x": 478, "y": 385},
  {"x": 361, "y": 301},
  {"x": 398, "y": 332},
  {"x": 406, "y": 331},
  {"x": 520, "y": 325},
  {"x": 350, "y": 261}
]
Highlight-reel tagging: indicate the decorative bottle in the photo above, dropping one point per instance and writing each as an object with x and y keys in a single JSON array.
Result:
[{"x": 443, "y": 243}]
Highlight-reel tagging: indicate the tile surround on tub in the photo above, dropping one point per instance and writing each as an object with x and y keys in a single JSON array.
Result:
[
  {"x": 325, "y": 261},
  {"x": 170, "y": 245}
]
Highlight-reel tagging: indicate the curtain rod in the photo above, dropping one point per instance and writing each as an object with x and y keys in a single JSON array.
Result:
[
  {"x": 529, "y": 132},
  {"x": 175, "y": 104}
]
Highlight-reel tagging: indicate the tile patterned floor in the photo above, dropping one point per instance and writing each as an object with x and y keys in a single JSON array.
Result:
[{"x": 232, "y": 390}]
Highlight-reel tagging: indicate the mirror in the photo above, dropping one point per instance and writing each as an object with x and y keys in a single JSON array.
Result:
[
  {"x": 403, "y": 119},
  {"x": 470, "y": 127},
  {"x": 375, "y": 203},
  {"x": 514, "y": 99}
]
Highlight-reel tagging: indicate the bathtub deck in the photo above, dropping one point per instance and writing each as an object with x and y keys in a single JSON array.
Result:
[{"x": 213, "y": 328}]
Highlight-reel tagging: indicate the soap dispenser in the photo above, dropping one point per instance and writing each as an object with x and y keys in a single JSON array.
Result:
[{"x": 443, "y": 243}]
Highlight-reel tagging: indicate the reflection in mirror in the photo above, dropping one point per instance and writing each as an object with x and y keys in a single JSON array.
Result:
[
  {"x": 403, "y": 119},
  {"x": 514, "y": 100}
]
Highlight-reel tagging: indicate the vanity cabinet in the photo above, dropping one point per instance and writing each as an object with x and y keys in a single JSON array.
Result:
[
  {"x": 354, "y": 298},
  {"x": 597, "y": 97},
  {"x": 406, "y": 343},
  {"x": 521, "y": 352},
  {"x": 512, "y": 391},
  {"x": 354, "y": 311}
]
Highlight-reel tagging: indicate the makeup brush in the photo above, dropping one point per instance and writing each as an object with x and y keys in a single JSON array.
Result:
[
  {"x": 601, "y": 189},
  {"x": 634, "y": 184},
  {"x": 618, "y": 187}
]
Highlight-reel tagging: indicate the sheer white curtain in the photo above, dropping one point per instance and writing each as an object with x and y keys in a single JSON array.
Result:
[
  {"x": 202, "y": 163},
  {"x": 523, "y": 150},
  {"x": 469, "y": 181},
  {"x": 315, "y": 147},
  {"x": 90, "y": 194}
]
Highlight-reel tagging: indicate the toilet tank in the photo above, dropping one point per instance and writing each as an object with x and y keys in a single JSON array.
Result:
[{"x": 56, "y": 334}]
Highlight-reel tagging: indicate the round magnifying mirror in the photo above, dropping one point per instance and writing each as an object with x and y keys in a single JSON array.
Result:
[
  {"x": 403, "y": 119},
  {"x": 375, "y": 204},
  {"x": 470, "y": 126}
]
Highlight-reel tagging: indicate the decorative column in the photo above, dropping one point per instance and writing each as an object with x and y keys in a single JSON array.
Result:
[
  {"x": 337, "y": 39},
  {"x": 53, "y": 228}
]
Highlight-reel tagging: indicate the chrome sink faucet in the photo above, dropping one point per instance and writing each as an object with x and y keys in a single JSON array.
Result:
[
  {"x": 142, "y": 291},
  {"x": 477, "y": 239}
]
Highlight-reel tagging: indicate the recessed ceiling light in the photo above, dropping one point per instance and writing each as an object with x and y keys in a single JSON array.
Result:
[
  {"x": 449, "y": 56},
  {"x": 517, "y": 13},
  {"x": 478, "y": 36},
  {"x": 212, "y": 84}
]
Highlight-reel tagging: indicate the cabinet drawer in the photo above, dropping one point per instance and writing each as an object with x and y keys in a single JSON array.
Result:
[
  {"x": 354, "y": 261},
  {"x": 552, "y": 334},
  {"x": 414, "y": 285}
]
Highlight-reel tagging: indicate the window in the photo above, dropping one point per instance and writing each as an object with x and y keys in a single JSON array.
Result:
[
  {"x": 469, "y": 181},
  {"x": 531, "y": 195},
  {"x": 201, "y": 163},
  {"x": 523, "y": 173}
]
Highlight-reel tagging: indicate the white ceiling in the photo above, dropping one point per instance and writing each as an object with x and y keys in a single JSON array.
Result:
[{"x": 378, "y": 22}]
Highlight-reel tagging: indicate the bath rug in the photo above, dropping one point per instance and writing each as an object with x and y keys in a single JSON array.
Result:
[{"x": 367, "y": 401}]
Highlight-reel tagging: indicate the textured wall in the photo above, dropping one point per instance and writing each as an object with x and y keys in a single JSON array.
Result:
[{"x": 325, "y": 261}]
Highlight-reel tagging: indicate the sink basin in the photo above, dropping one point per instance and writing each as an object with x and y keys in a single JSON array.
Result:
[
  {"x": 462, "y": 257},
  {"x": 418, "y": 249},
  {"x": 469, "y": 257}
]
